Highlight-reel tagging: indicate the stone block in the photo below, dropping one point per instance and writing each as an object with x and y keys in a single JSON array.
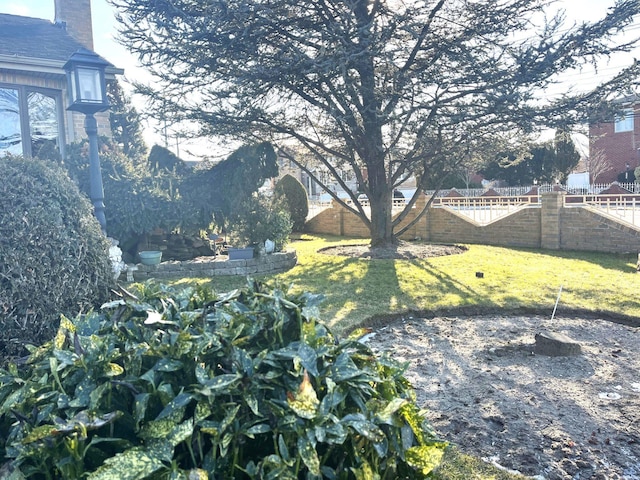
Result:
[{"x": 555, "y": 344}]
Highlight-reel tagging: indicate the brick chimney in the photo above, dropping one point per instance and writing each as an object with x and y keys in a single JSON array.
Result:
[{"x": 76, "y": 15}]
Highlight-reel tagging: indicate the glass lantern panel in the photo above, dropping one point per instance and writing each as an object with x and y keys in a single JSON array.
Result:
[
  {"x": 89, "y": 84},
  {"x": 10, "y": 135}
]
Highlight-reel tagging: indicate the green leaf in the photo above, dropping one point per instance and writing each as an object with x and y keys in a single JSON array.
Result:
[
  {"x": 38, "y": 433},
  {"x": 364, "y": 427},
  {"x": 425, "y": 458},
  {"x": 9, "y": 472},
  {"x": 229, "y": 417},
  {"x": 112, "y": 304},
  {"x": 334, "y": 433},
  {"x": 178, "y": 403},
  {"x": 227, "y": 438},
  {"x": 332, "y": 399},
  {"x": 308, "y": 358},
  {"x": 257, "y": 429},
  {"x": 252, "y": 402},
  {"x": 305, "y": 401},
  {"x": 220, "y": 382},
  {"x": 309, "y": 455},
  {"x": 96, "y": 395},
  {"x": 132, "y": 464},
  {"x": 84, "y": 421},
  {"x": 12, "y": 400},
  {"x": 201, "y": 374},
  {"x": 65, "y": 358},
  {"x": 157, "y": 429},
  {"x": 210, "y": 427},
  {"x": 344, "y": 368},
  {"x": 202, "y": 411},
  {"x": 150, "y": 377},
  {"x": 364, "y": 472},
  {"x": 387, "y": 415},
  {"x": 167, "y": 365},
  {"x": 243, "y": 361},
  {"x": 82, "y": 394},
  {"x": 283, "y": 450},
  {"x": 180, "y": 433},
  {"x": 113, "y": 370},
  {"x": 227, "y": 297},
  {"x": 141, "y": 403}
]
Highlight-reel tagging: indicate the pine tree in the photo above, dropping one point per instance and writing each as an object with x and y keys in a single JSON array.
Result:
[
  {"x": 375, "y": 91},
  {"x": 126, "y": 125}
]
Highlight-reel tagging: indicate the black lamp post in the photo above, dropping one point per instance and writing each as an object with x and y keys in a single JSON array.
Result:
[{"x": 87, "y": 91}]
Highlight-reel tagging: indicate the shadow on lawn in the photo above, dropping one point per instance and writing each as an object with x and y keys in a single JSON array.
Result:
[{"x": 622, "y": 262}]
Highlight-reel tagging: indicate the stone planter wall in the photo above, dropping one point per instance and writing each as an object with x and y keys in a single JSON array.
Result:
[
  {"x": 214, "y": 266},
  {"x": 174, "y": 246}
]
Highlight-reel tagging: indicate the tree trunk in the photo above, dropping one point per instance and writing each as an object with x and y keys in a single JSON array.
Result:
[{"x": 381, "y": 220}]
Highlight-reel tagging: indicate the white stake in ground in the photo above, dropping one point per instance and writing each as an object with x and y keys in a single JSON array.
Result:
[{"x": 556, "y": 305}]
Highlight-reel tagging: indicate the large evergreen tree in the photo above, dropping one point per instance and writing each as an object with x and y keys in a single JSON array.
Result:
[
  {"x": 385, "y": 88},
  {"x": 126, "y": 125}
]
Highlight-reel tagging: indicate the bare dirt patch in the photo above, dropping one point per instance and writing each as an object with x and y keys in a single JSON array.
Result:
[
  {"x": 401, "y": 251},
  {"x": 553, "y": 417},
  {"x": 486, "y": 391}
]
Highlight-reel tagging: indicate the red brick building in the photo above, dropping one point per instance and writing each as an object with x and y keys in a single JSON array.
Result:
[{"x": 614, "y": 147}]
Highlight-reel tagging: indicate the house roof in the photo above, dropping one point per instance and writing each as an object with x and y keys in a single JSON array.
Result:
[
  {"x": 36, "y": 45},
  {"x": 35, "y": 38}
]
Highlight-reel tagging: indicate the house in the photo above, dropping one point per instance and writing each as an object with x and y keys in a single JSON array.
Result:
[
  {"x": 614, "y": 147},
  {"x": 33, "y": 84}
]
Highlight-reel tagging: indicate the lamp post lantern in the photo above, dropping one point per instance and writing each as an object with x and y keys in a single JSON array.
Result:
[{"x": 88, "y": 94}]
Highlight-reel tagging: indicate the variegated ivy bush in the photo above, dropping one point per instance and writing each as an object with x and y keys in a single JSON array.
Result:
[{"x": 189, "y": 385}]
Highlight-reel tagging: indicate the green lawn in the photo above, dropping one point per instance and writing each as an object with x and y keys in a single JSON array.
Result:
[{"x": 359, "y": 289}]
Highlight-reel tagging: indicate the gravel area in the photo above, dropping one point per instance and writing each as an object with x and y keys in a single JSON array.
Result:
[{"x": 563, "y": 417}]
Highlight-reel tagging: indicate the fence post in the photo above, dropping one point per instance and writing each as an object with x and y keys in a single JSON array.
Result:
[{"x": 550, "y": 221}]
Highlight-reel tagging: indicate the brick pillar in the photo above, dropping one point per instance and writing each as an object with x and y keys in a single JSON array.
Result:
[
  {"x": 338, "y": 215},
  {"x": 421, "y": 227},
  {"x": 76, "y": 14},
  {"x": 552, "y": 204},
  {"x": 427, "y": 220}
]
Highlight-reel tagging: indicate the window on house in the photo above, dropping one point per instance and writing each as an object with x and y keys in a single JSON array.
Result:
[
  {"x": 43, "y": 122},
  {"x": 10, "y": 137},
  {"x": 30, "y": 120},
  {"x": 625, "y": 123}
]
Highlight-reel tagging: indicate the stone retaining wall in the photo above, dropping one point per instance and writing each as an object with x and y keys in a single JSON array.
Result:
[{"x": 215, "y": 266}]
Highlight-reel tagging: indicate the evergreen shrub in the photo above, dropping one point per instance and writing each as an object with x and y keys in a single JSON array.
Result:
[
  {"x": 295, "y": 199},
  {"x": 162, "y": 193},
  {"x": 257, "y": 219},
  {"x": 137, "y": 200},
  {"x": 54, "y": 258},
  {"x": 188, "y": 384}
]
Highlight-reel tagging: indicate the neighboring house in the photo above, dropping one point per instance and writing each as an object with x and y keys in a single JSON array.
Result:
[
  {"x": 33, "y": 85},
  {"x": 614, "y": 147}
]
